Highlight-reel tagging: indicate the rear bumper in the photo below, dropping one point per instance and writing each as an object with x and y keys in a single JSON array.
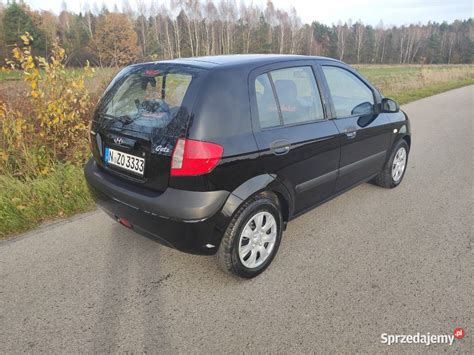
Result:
[{"x": 185, "y": 220}]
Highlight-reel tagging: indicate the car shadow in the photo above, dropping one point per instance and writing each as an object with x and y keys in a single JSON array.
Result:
[{"x": 139, "y": 278}]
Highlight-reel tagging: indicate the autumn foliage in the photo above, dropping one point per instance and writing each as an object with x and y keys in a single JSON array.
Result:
[
  {"x": 116, "y": 41},
  {"x": 50, "y": 125}
]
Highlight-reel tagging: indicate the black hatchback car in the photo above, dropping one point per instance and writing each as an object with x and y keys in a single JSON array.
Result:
[{"x": 216, "y": 154}]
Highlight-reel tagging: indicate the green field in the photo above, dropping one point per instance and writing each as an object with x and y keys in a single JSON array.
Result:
[{"x": 24, "y": 204}]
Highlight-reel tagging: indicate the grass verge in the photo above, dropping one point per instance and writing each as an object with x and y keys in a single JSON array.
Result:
[
  {"x": 26, "y": 204},
  {"x": 406, "y": 83},
  {"x": 429, "y": 90}
]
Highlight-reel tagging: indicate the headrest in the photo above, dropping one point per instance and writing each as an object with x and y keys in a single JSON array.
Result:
[{"x": 286, "y": 90}]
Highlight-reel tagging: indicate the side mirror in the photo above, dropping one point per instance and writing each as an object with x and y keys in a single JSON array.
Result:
[
  {"x": 389, "y": 105},
  {"x": 363, "y": 109}
]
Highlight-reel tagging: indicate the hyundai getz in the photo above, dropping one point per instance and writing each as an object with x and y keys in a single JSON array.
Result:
[{"x": 214, "y": 155}]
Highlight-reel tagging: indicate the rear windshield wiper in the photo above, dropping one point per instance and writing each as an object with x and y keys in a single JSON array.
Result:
[{"x": 125, "y": 119}]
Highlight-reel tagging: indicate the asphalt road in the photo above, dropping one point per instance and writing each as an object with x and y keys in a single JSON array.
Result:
[{"x": 371, "y": 261}]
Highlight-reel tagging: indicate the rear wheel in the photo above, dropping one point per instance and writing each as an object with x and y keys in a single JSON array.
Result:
[
  {"x": 252, "y": 238},
  {"x": 394, "y": 171}
]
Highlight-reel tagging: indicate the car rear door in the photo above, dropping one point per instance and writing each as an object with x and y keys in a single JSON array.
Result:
[
  {"x": 139, "y": 118},
  {"x": 296, "y": 140},
  {"x": 364, "y": 133}
]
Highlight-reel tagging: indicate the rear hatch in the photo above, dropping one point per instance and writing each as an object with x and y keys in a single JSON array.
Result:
[{"x": 139, "y": 118}]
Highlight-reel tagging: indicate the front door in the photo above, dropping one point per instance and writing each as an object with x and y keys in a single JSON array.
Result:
[
  {"x": 364, "y": 134},
  {"x": 296, "y": 140}
]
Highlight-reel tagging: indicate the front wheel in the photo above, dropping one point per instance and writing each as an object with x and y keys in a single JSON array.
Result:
[
  {"x": 252, "y": 238},
  {"x": 394, "y": 171}
]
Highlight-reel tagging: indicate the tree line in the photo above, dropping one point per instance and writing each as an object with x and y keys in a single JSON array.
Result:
[{"x": 183, "y": 28}]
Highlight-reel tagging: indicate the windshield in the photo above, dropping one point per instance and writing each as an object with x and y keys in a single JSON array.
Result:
[{"x": 148, "y": 97}]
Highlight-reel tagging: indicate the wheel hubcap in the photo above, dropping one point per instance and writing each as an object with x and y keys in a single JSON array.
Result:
[
  {"x": 257, "y": 240},
  {"x": 399, "y": 163}
]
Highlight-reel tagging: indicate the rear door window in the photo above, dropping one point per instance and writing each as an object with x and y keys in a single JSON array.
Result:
[{"x": 288, "y": 96}]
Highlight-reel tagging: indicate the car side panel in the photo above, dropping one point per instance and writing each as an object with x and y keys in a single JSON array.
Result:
[
  {"x": 309, "y": 168},
  {"x": 364, "y": 139},
  {"x": 222, "y": 115},
  {"x": 365, "y": 154}
]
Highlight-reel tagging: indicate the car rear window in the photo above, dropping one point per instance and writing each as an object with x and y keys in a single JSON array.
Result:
[{"x": 149, "y": 97}]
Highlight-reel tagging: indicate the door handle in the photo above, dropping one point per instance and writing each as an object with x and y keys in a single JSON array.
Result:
[
  {"x": 351, "y": 134},
  {"x": 280, "y": 147},
  {"x": 281, "y": 150}
]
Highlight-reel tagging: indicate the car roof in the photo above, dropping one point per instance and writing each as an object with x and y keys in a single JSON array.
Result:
[{"x": 242, "y": 60}]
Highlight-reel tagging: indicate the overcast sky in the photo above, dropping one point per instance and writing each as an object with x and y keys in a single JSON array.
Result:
[{"x": 391, "y": 12}]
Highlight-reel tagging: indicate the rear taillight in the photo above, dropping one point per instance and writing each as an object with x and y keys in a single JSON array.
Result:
[
  {"x": 194, "y": 157},
  {"x": 124, "y": 222}
]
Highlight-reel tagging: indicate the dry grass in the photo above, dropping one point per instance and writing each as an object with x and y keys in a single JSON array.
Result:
[
  {"x": 392, "y": 80},
  {"x": 403, "y": 82},
  {"x": 14, "y": 89}
]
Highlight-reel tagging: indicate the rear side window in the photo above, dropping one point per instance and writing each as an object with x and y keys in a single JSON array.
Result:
[
  {"x": 349, "y": 94},
  {"x": 297, "y": 97}
]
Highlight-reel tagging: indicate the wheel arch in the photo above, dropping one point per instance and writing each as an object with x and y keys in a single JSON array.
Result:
[
  {"x": 265, "y": 183},
  {"x": 407, "y": 138}
]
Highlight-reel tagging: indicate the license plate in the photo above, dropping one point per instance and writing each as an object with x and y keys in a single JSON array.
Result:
[{"x": 125, "y": 161}]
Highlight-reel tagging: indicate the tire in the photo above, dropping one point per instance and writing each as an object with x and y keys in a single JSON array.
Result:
[
  {"x": 229, "y": 255},
  {"x": 386, "y": 177}
]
